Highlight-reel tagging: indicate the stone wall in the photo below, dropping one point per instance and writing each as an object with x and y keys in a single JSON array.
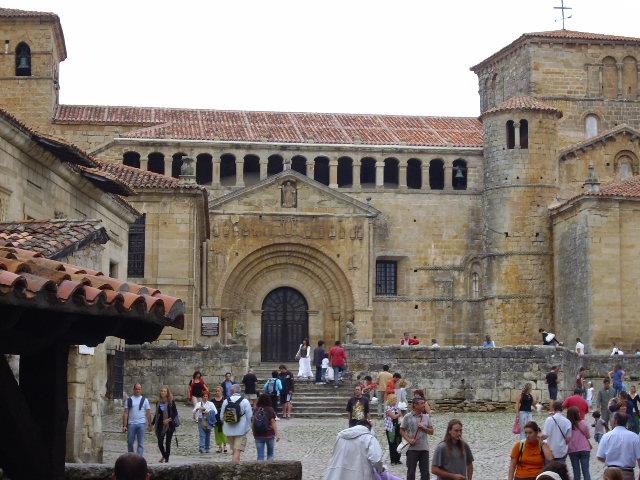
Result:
[
  {"x": 154, "y": 366},
  {"x": 470, "y": 378},
  {"x": 198, "y": 471}
]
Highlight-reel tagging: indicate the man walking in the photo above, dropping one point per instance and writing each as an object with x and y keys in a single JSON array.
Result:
[
  {"x": 453, "y": 458},
  {"x": 226, "y": 385},
  {"x": 249, "y": 381},
  {"x": 557, "y": 432},
  {"x": 318, "y": 356},
  {"x": 552, "y": 382},
  {"x": 236, "y": 413},
  {"x": 620, "y": 448},
  {"x": 604, "y": 396},
  {"x": 286, "y": 395},
  {"x": 136, "y": 416},
  {"x": 415, "y": 427},
  {"x": 578, "y": 401},
  {"x": 579, "y": 347},
  {"x": 358, "y": 407},
  {"x": 383, "y": 378},
  {"x": 337, "y": 360}
]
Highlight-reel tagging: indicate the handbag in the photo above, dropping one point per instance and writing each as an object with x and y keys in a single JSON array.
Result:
[
  {"x": 517, "y": 428},
  {"x": 176, "y": 420},
  {"x": 298, "y": 354},
  {"x": 402, "y": 405},
  {"x": 373, "y": 402},
  {"x": 404, "y": 444}
]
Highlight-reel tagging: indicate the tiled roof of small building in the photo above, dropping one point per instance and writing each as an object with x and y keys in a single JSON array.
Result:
[
  {"x": 45, "y": 16},
  {"x": 142, "y": 179},
  {"x": 29, "y": 279},
  {"x": 280, "y": 127},
  {"x": 52, "y": 238},
  {"x": 523, "y": 103},
  {"x": 557, "y": 36},
  {"x": 625, "y": 188}
]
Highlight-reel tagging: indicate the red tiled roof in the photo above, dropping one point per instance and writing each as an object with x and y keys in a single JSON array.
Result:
[
  {"x": 141, "y": 179},
  {"x": 30, "y": 280},
  {"x": 52, "y": 238},
  {"x": 43, "y": 16},
  {"x": 560, "y": 36},
  {"x": 280, "y": 127},
  {"x": 625, "y": 188},
  {"x": 524, "y": 103}
]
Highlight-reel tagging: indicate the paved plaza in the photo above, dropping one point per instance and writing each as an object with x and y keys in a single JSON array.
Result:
[{"x": 311, "y": 442}]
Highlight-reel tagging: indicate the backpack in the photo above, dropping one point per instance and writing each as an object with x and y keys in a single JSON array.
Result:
[
  {"x": 232, "y": 411},
  {"x": 130, "y": 403},
  {"x": 271, "y": 386},
  {"x": 260, "y": 422}
]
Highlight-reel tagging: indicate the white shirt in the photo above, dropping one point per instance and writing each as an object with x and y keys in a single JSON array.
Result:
[
  {"x": 615, "y": 351},
  {"x": 619, "y": 448},
  {"x": 208, "y": 406},
  {"x": 580, "y": 348},
  {"x": 138, "y": 415},
  {"x": 556, "y": 440},
  {"x": 244, "y": 425},
  {"x": 435, "y": 345},
  {"x": 325, "y": 363}
]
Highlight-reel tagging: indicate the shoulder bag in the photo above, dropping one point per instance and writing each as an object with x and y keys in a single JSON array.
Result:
[{"x": 404, "y": 444}]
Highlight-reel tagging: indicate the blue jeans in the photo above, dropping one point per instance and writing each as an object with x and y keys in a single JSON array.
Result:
[
  {"x": 136, "y": 431},
  {"x": 524, "y": 418},
  {"x": 205, "y": 435},
  {"x": 337, "y": 371},
  {"x": 271, "y": 447},
  {"x": 580, "y": 461}
]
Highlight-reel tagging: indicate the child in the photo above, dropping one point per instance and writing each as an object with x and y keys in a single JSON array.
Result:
[
  {"x": 325, "y": 367},
  {"x": 590, "y": 393},
  {"x": 598, "y": 426}
]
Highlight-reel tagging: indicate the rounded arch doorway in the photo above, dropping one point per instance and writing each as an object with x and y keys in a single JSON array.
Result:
[{"x": 285, "y": 322}]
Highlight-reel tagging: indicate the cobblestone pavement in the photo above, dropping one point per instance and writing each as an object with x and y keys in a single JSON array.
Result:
[{"x": 311, "y": 442}]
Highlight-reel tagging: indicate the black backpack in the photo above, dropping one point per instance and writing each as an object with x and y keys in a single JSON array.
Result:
[
  {"x": 232, "y": 411},
  {"x": 260, "y": 422},
  {"x": 130, "y": 403}
]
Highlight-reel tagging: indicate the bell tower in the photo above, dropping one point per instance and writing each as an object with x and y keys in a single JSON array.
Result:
[{"x": 31, "y": 49}]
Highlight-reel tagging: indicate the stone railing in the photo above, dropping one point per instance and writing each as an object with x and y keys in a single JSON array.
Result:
[{"x": 196, "y": 471}]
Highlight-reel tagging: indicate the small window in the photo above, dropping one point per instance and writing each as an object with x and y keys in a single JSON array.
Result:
[
  {"x": 155, "y": 163},
  {"x": 321, "y": 170},
  {"x": 475, "y": 285},
  {"x": 368, "y": 172},
  {"x": 251, "y": 169},
  {"x": 299, "y": 164},
  {"x": 345, "y": 172},
  {"x": 131, "y": 159},
  {"x": 135, "y": 266},
  {"x": 176, "y": 164},
  {"x": 23, "y": 60},
  {"x": 204, "y": 169},
  {"x": 274, "y": 165},
  {"x": 524, "y": 134},
  {"x": 511, "y": 135},
  {"x": 113, "y": 269},
  {"x": 436, "y": 174},
  {"x": 227, "y": 169},
  {"x": 459, "y": 175},
  {"x": 414, "y": 174},
  {"x": 591, "y": 125},
  {"x": 386, "y": 277}
]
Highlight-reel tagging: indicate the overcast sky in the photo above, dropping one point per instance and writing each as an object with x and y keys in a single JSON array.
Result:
[{"x": 357, "y": 56}]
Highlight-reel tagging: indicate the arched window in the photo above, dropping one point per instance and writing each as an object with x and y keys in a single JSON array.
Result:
[
  {"x": 251, "y": 169},
  {"x": 368, "y": 172},
  {"x": 391, "y": 172},
  {"x": 274, "y": 165},
  {"x": 591, "y": 125},
  {"x": 629, "y": 78},
  {"x": 204, "y": 169},
  {"x": 321, "y": 170},
  {"x": 436, "y": 174},
  {"x": 475, "y": 285},
  {"x": 414, "y": 174},
  {"x": 625, "y": 166},
  {"x": 176, "y": 164},
  {"x": 227, "y": 169},
  {"x": 131, "y": 159},
  {"x": 609, "y": 78},
  {"x": 155, "y": 163},
  {"x": 23, "y": 60},
  {"x": 524, "y": 134},
  {"x": 345, "y": 172},
  {"x": 459, "y": 175},
  {"x": 299, "y": 164},
  {"x": 511, "y": 135}
]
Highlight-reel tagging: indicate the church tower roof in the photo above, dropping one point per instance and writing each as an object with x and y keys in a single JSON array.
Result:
[{"x": 524, "y": 103}]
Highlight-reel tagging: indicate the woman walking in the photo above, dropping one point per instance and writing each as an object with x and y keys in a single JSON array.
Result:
[
  {"x": 304, "y": 360},
  {"x": 523, "y": 408},
  {"x": 164, "y": 422},
  {"x": 392, "y": 428},
  {"x": 220, "y": 437},
  {"x": 579, "y": 445},
  {"x": 528, "y": 456},
  {"x": 196, "y": 387},
  {"x": 201, "y": 415},
  {"x": 265, "y": 427},
  {"x": 617, "y": 377},
  {"x": 401, "y": 395}
]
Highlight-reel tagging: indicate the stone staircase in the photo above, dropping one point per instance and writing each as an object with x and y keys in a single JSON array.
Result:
[{"x": 310, "y": 400}]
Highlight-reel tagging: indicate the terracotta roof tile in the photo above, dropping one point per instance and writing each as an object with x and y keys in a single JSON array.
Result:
[
  {"x": 280, "y": 127},
  {"x": 141, "y": 179},
  {"x": 626, "y": 188},
  {"x": 45, "y": 284},
  {"x": 42, "y": 16},
  {"x": 53, "y": 238},
  {"x": 524, "y": 103}
]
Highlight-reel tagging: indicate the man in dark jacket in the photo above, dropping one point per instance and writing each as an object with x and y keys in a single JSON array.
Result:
[{"x": 318, "y": 355}]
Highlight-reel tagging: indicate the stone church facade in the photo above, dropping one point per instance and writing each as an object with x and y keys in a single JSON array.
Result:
[{"x": 448, "y": 228}]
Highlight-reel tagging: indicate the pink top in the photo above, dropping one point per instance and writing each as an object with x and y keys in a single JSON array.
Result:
[{"x": 579, "y": 441}]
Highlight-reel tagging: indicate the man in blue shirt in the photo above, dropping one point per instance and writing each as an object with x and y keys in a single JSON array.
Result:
[
  {"x": 620, "y": 447},
  {"x": 226, "y": 385},
  {"x": 488, "y": 343}
]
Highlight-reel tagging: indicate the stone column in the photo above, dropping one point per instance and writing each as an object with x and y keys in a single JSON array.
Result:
[
  {"x": 620, "y": 92},
  {"x": 356, "y": 174},
  {"x": 379, "y": 173},
  {"x": 144, "y": 162},
  {"x": 516, "y": 135},
  {"x": 215, "y": 170},
  {"x": 425, "y": 175},
  {"x": 264, "y": 163},
  {"x": 333, "y": 172},
  {"x": 311, "y": 167},
  {"x": 239, "y": 171},
  {"x": 402, "y": 174},
  {"x": 448, "y": 179},
  {"x": 167, "y": 161}
]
